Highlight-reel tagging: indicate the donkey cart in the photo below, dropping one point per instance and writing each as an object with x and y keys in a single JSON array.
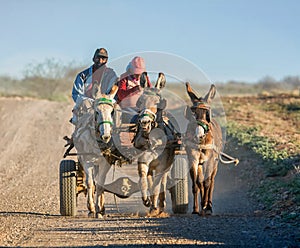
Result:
[
  {"x": 72, "y": 177},
  {"x": 152, "y": 142}
]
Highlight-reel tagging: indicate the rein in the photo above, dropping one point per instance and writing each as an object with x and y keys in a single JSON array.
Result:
[
  {"x": 200, "y": 146},
  {"x": 221, "y": 155}
]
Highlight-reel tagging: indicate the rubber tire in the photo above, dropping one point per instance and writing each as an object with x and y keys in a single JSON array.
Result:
[
  {"x": 180, "y": 190},
  {"x": 68, "y": 188}
]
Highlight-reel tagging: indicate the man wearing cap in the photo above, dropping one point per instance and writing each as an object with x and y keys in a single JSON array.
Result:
[
  {"x": 89, "y": 82},
  {"x": 98, "y": 74}
]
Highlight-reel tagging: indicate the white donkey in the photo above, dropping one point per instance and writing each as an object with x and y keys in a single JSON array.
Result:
[{"x": 90, "y": 139}]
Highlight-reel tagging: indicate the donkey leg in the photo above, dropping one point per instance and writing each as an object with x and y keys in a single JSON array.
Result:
[
  {"x": 206, "y": 210},
  {"x": 90, "y": 191},
  {"x": 200, "y": 183},
  {"x": 165, "y": 166},
  {"x": 100, "y": 209},
  {"x": 143, "y": 171},
  {"x": 154, "y": 210},
  {"x": 211, "y": 190},
  {"x": 195, "y": 189},
  {"x": 150, "y": 183},
  {"x": 162, "y": 193},
  {"x": 101, "y": 171}
]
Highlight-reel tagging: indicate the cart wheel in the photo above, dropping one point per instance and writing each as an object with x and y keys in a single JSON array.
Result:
[
  {"x": 179, "y": 192},
  {"x": 67, "y": 185}
]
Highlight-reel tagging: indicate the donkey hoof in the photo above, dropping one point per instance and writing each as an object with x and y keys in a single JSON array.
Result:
[
  {"x": 195, "y": 212},
  {"x": 91, "y": 214},
  {"x": 99, "y": 216},
  {"x": 163, "y": 214},
  {"x": 205, "y": 212},
  {"x": 202, "y": 213},
  {"x": 102, "y": 211},
  {"x": 147, "y": 202},
  {"x": 154, "y": 212},
  {"x": 207, "y": 209},
  {"x": 208, "y": 212}
]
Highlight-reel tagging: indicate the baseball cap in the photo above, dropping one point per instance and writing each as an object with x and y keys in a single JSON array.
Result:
[{"x": 101, "y": 52}]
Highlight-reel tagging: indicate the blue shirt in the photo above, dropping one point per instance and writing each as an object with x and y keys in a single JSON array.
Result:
[{"x": 84, "y": 80}]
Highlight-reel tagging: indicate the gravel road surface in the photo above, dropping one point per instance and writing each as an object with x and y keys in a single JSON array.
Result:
[{"x": 31, "y": 149}]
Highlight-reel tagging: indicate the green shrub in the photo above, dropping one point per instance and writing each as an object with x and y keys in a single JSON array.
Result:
[{"x": 276, "y": 164}]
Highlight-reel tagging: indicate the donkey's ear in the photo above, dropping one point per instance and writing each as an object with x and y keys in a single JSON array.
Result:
[
  {"x": 143, "y": 80},
  {"x": 161, "y": 81},
  {"x": 113, "y": 91},
  {"x": 211, "y": 94},
  {"x": 191, "y": 93}
]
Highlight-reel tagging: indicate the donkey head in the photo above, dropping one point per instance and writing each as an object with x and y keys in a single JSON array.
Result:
[
  {"x": 104, "y": 106},
  {"x": 150, "y": 103},
  {"x": 201, "y": 109}
]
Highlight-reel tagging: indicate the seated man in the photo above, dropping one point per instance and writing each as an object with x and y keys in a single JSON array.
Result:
[{"x": 98, "y": 78}]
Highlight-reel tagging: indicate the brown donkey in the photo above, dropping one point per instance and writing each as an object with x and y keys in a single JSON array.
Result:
[{"x": 203, "y": 142}]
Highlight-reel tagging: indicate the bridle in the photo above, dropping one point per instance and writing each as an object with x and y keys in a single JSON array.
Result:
[
  {"x": 204, "y": 126},
  {"x": 102, "y": 101},
  {"x": 151, "y": 118},
  {"x": 149, "y": 113},
  {"x": 193, "y": 140},
  {"x": 206, "y": 107},
  {"x": 103, "y": 135}
]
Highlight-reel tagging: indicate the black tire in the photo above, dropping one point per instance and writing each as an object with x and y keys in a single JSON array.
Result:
[
  {"x": 180, "y": 190},
  {"x": 68, "y": 188}
]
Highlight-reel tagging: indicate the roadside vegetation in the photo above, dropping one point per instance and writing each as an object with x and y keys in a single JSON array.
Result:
[
  {"x": 50, "y": 79},
  {"x": 269, "y": 127},
  {"x": 263, "y": 117}
]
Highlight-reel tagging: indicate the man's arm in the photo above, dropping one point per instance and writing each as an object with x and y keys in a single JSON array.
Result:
[
  {"x": 123, "y": 91},
  {"x": 112, "y": 80},
  {"x": 78, "y": 86}
]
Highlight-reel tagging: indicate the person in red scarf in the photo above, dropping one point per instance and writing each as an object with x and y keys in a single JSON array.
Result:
[{"x": 130, "y": 86}]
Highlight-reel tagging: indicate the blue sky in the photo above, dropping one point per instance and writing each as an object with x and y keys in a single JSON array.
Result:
[{"x": 227, "y": 39}]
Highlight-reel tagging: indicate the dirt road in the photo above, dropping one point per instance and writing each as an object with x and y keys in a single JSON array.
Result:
[{"x": 31, "y": 148}]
